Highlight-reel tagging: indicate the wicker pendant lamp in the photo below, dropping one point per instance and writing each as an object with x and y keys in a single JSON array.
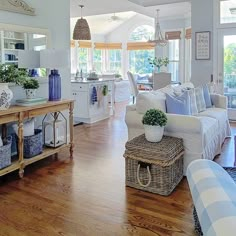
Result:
[{"x": 81, "y": 30}]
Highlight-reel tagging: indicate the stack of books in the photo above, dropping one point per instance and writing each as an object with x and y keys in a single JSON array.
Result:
[{"x": 31, "y": 102}]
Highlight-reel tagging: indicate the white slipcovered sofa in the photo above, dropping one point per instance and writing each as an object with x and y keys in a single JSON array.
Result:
[{"x": 203, "y": 134}]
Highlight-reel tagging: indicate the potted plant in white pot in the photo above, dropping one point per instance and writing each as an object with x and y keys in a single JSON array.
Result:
[
  {"x": 154, "y": 121},
  {"x": 30, "y": 86},
  {"x": 9, "y": 74}
]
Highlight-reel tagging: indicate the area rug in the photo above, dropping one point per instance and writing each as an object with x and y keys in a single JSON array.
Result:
[{"x": 197, "y": 227}]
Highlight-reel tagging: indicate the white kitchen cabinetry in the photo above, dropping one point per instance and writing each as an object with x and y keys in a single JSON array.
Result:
[{"x": 85, "y": 109}]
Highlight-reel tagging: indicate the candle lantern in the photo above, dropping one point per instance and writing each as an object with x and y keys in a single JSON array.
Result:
[{"x": 54, "y": 129}]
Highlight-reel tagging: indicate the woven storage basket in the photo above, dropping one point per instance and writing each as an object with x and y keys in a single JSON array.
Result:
[
  {"x": 154, "y": 167},
  {"x": 33, "y": 145},
  {"x": 5, "y": 153}
]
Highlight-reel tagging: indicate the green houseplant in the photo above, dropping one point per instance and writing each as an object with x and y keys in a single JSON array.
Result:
[
  {"x": 9, "y": 74},
  {"x": 30, "y": 86},
  {"x": 154, "y": 121}
]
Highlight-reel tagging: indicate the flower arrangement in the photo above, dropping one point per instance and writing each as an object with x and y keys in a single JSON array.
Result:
[
  {"x": 154, "y": 117},
  {"x": 159, "y": 62}
]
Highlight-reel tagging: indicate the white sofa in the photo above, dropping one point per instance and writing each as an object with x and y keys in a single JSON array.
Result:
[{"x": 202, "y": 134}]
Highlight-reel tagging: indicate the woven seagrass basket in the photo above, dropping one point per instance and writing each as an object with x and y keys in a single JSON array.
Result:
[{"x": 156, "y": 168}]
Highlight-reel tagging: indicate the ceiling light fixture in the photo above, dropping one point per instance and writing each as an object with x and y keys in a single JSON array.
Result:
[
  {"x": 159, "y": 40},
  {"x": 81, "y": 30}
]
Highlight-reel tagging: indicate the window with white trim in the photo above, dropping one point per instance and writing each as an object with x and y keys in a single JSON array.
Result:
[
  {"x": 114, "y": 60},
  {"x": 84, "y": 61},
  {"x": 174, "y": 58},
  {"x": 139, "y": 53}
]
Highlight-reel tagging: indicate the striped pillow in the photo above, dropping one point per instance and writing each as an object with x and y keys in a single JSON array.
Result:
[
  {"x": 193, "y": 102},
  {"x": 201, "y": 105}
]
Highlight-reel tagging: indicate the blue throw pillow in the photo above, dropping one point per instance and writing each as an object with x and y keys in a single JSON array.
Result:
[
  {"x": 178, "y": 104},
  {"x": 207, "y": 96}
]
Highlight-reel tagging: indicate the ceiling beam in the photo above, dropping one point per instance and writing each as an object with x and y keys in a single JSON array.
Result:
[{"x": 149, "y": 3}]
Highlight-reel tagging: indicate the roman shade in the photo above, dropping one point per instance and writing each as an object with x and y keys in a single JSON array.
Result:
[
  {"x": 84, "y": 44},
  {"x": 72, "y": 43},
  {"x": 172, "y": 35},
  {"x": 140, "y": 46},
  {"x": 188, "y": 33},
  {"x": 108, "y": 46}
]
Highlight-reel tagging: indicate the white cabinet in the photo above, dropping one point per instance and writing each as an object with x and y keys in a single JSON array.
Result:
[
  {"x": 81, "y": 103},
  {"x": 85, "y": 109}
]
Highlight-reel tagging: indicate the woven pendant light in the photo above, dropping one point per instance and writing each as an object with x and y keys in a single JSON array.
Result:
[{"x": 81, "y": 30}]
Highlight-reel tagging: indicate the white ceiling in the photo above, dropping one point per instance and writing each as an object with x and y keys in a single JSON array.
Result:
[
  {"x": 179, "y": 8},
  {"x": 148, "y": 3},
  {"x": 102, "y": 24}
]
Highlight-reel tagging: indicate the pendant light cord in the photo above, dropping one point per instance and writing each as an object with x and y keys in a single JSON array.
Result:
[{"x": 81, "y": 6}]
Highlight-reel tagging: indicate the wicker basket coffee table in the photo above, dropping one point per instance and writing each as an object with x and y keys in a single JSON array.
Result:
[{"x": 154, "y": 167}]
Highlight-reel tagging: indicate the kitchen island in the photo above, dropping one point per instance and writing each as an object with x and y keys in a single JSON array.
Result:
[{"x": 94, "y": 100}]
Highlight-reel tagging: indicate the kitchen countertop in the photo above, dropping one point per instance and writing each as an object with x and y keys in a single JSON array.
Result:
[{"x": 85, "y": 81}]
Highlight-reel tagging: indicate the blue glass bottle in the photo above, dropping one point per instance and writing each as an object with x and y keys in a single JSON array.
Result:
[{"x": 54, "y": 86}]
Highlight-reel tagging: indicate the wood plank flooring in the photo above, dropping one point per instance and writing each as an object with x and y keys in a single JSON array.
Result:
[{"x": 88, "y": 197}]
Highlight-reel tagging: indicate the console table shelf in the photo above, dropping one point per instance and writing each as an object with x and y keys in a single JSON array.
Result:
[{"x": 19, "y": 114}]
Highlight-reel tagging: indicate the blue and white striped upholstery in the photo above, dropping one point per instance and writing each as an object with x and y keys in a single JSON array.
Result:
[{"x": 214, "y": 196}]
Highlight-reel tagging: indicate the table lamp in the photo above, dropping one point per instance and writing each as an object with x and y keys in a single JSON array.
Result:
[
  {"x": 29, "y": 59},
  {"x": 54, "y": 59}
]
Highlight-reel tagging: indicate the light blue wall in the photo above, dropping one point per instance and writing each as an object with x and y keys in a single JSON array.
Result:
[
  {"x": 202, "y": 20},
  {"x": 52, "y": 15}
]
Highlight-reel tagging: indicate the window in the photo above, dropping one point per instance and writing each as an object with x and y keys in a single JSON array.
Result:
[
  {"x": 138, "y": 61},
  {"x": 138, "y": 56},
  {"x": 84, "y": 59},
  {"x": 174, "y": 59},
  {"x": 97, "y": 60},
  {"x": 227, "y": 11},
  {"x": 142, "y": 33},
  {"x": 114, "y": 58}
]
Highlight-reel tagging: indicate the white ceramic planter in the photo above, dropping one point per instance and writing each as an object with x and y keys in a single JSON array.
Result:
[
  {"x": 153, "y": 133},
  {"x": 30, "y": 93},
  {"x": 6, "y": 96}
]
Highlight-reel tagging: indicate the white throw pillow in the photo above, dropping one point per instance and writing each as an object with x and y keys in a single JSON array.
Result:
[
  {"x": 150, "y": 100},
  {"x": 28, "y": 128},
  {"x": 168, "y": 89},
  {"x": 1, "y": 143}
]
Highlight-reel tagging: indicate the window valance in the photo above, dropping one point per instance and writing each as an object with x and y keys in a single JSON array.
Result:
[
  {"x": 140, "y": 46},
  {"x": 173, "y": 35},
  {"x": 108, "y": 46},
  {"x": 188, "y": 33}
]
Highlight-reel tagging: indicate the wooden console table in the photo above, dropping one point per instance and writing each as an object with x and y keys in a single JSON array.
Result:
[{"x": 18, "y": 114}]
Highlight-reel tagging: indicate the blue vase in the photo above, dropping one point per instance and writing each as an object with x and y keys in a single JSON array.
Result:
[{"x": 54, "y": 86}]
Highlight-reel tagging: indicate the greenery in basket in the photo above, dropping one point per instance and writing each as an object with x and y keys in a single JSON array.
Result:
[
  {"x": 155, "y": 117},
  {"x": 31, "y": 84},
  {"x": 12, "y": 74}
]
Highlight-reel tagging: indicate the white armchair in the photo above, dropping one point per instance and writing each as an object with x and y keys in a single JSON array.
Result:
[{"x": 133, "y": 85}]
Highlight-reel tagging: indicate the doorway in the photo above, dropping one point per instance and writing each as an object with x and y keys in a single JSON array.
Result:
[{"x": 226, "y": 82}]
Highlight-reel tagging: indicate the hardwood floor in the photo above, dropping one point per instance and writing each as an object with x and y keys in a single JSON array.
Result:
[{"x": 88, "y": 195}]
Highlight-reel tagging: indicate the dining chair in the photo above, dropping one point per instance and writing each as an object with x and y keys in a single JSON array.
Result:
[
  {"x": 161, "y": 80},
  {"x": 133, "y": 86}
]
